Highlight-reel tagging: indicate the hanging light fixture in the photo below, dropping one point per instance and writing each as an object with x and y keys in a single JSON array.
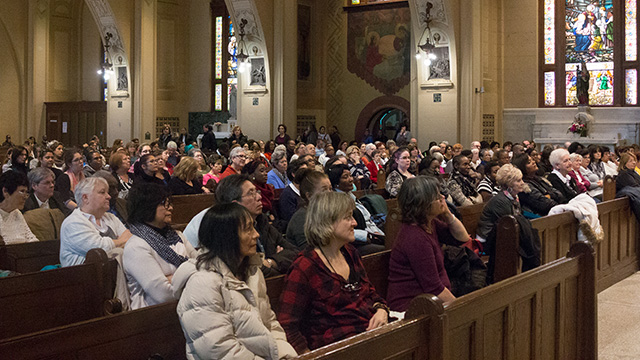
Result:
[
  {"x": 429, "y": 43},
  {"x": 242, "y": 53},
  {"x": 106, "y": 67}
]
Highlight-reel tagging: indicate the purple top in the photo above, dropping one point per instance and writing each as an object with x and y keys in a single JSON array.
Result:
[{"x": 417, "y": 264}]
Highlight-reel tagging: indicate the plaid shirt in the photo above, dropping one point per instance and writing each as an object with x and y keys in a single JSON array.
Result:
[{"x": 318, "y": 307}]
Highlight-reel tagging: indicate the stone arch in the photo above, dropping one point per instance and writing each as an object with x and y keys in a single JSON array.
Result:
[
  {"x": 377, "y": 105},
  {"x": 106, "y": 21}
]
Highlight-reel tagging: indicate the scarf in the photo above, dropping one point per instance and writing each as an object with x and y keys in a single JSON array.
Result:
[
  {"x": 160, "y": 243},
  {"x": 465, "y": 184},
  {"x": 280, "y": 175}
]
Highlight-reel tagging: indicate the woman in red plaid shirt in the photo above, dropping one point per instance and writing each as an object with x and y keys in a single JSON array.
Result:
[{"x": 327, "y": 295}]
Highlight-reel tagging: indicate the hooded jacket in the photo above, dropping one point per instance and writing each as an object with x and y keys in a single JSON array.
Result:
[{"x": 223, "y": 317}]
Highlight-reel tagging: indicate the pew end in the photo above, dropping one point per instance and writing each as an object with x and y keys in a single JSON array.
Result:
[{"x": 506, "y": 261}]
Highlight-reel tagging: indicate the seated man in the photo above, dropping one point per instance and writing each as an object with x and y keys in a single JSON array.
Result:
[
  {"x": 278, "y": 253},
  {"x": 94, "y": 163},
  {"x": 42, "y": 181},
  {"x": 90, "y": 226}
]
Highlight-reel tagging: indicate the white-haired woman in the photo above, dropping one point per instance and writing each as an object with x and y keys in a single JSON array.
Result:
[
  {"x": 506, "y": 202},
  {"x": 559, "y": 176},
  {"x": 90, "y": 225}
]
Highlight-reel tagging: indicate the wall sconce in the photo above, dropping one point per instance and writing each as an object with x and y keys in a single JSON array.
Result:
[
  {"x": 106, "y": 67},
  {"x": 429, "y": 43},
  {"x": 242, "y": 53}
]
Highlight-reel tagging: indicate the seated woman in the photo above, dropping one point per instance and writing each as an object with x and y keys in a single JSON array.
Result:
[
  {"x": 583, "y": 184},
  {"x": 358, "y": 169},
  {"x": 257, "y": 173},
  {"x": 627, "y": 176},
  {"x": 43, "y": 196},
  {"x": 19, "y": 157},
  {"x": 278, "y": 174},
  {"x": 542, "y": 196},
  {"x": 145, "y": 171},
  {"x": 90, "y": 226},
  {"x": 197, "y": 154},
  {"x": 417, "y": 261},
  {"x": 66, "y": 183},
  {"x": 327, "y": 295},
  {"x": 155, "y": 250},
  {"x": 560, "y": 180},
  {"x": 14, "y": 190},
  {"x": 119, "y": 164},
  {"x": 216, "y": 162},
  {"x": 163, "y": 171},
  {"x": 312, "y": 182},
  {"x": 375, "y": 165},
  {"x": 398, "y": 171},
  {"x": 366, "y": 230},
  {"x": 509, "y": 178},
  {"x": 487, "y": 186},
  {"x": 47, "y": 161},
  {"x": 224, "y": 309},
  {"x": 185, "y": 179},
  {"x": 594, "y": 179},
  {"x": 461, "y": 186}
]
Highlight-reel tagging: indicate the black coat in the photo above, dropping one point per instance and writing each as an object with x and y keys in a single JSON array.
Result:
[
  {"x": 209, "y": 142},
  {"x": 537, "y": 201},
  {"x": 55, "y": 202},
  {"x": 568, "y": 192},
  {"x": 627, "y": 177},
  {"x": 270, "y": 239}
]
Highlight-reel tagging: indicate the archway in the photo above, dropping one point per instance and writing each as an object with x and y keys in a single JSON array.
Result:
[{"x": 385, "y": 111}]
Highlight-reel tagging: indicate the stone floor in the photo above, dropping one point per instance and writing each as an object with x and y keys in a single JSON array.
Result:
[{"x": 619, "y": 320}]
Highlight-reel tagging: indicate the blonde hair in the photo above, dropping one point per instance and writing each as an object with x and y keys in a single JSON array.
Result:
[
  {"x": 186, "y": 169},
  {"x": 324, "y": 210},
  {"x": 351, "y": 149},
  {"x": 624, "y": 159},
  {"x": 507, "y": 174}
]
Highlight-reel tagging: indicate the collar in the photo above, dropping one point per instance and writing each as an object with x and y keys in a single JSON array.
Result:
[
  {"x": 92, "y": 219},
  {"x": 40, "y": 202},
  {"x": 294, "y": 188},
  {"x": 565, "y": 179}
]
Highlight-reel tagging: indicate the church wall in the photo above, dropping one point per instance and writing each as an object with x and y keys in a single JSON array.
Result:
[
  {"x": 63, "y": 64},
  {"x": 13, "y": 34},
  {"x": 91, "y": 55},
  {"x": 200, "y": 57}
]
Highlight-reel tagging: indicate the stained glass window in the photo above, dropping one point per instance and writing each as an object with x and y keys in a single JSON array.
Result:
[
  {"x": 600, "y": 83},
  {"x": 218, "y": 53},
  {"x": 549, "y": 32},
  {"x": 218, "y": 97},
  {"x": 631, "y": 86},
  {"x": 630, "y": 30},
  {"x": 550, "y": 88}
]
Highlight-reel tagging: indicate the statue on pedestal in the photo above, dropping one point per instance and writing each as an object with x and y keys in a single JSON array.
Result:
[{"x": 582, "y": 84}]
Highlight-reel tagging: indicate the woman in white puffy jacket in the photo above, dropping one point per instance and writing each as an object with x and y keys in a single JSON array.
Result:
[{"x": 224, "y": 309}]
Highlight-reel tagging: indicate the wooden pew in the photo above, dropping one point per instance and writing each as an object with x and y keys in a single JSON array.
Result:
[
  {"x": 29, "y": 257},
  {"x": 393, "y": 223},
  {"x": 470, "y": 217},
  {"x": 548, "y": 313},
  {"x": 185, "y": 207},
  {"x": 609, "y": 188},
  {"x": 46, "y": 299},
  {"x": 382, "y": 192}
]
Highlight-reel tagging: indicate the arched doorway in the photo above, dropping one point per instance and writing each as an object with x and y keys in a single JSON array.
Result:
[{"x": 386, "y": 113}]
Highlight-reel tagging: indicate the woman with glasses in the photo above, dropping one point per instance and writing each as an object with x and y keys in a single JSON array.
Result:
[
  {"x": 417, "y": 261},
  {"x": 119, "y": 164},
  {"x": 14, "y": 192},
  {"x": 327, "y": 295},
  {"x": 146, "y": 171},
  {"x": 399, "y": 171},
  {"x": 155, "y": 250}
]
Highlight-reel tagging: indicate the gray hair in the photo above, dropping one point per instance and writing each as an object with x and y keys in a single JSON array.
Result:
[
  {"x": 236, "y": 151},
  {"x": 39, "y": 174},
  {"x": 369, "y": 147},
  {"x": 280, "y": 148},
  {"x": 575, "y": 156},
  {"x": 277, "y": 156},
  {"x": 324, "y": 210},
  {"x": 556, "y": 156},
  {"x": 172, "y": 145},
  {"x": 434, "y": 149},
  {"x": 416, "y": 197},
  {"x": 438, "y": 155},
  {"x": 86, "y": 186},
  {"x": 192, "y": 152}
]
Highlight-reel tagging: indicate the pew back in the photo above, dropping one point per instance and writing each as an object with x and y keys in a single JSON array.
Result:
[
  {"x": 185, "y": 207},
  {"x": 470, "y": 217},
  {"x": 29, "y": 257}
]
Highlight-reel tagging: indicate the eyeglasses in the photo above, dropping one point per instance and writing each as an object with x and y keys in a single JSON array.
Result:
[
  {"x": 252, "y": 193},
  {"x": 167, "y": 203},
  {"x": 241, "y": 156}
]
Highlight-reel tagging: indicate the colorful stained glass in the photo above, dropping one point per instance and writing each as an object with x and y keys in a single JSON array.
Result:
[
  {"x": 355, "y": 2},
  {"x": 630, "y": 30},
  {"x": 631, "y": 87},
  {"x": 549, "y": 32},
  {"x": 549, "y": 88},
  {"x": 218, "y": 104},
  {"x": 600, "y": 83},
  {"x": 589, "y": 33},
  {"x": 232, "y": 64},
  {"x": 218, "y": 47}
]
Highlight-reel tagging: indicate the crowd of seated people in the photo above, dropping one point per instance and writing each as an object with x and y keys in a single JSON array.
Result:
[{"x": 290, "y": 209}]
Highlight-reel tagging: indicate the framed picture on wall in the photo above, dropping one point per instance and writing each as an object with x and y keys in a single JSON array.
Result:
[
  {"x": 257, "y": 76},
  {"x": 122, "y": 82},
  {"x": 436, "y": 67}
]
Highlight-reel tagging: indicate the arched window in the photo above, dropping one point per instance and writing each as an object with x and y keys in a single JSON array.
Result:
[
  {"x": 600, "y": 33},
  {"x": 225, "y": 63}
]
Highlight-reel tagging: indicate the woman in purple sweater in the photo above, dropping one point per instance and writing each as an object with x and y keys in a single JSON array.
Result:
[{"x": 417, "y": 262}]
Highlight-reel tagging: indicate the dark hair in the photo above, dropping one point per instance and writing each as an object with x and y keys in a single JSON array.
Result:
[
  {"x": 484, "y": 145},
  {"x": 332, "y": 160},
  {"x": 575, "y": 146},
  {"x": 466, "y": 153},
  {"x": 143, "y": 200},
  {"x": 44, "y": 152},
  {"x": 209, "y": 127},
  {"x": 432, "y": 143},
  {"x": 423, "y": 167},
  {"x": 489, "y": 165},
  {"x": 251, "y": 167},
  {"x": 521, "y": 162},
  {"x": 68, "y": 156},
  {"x": 137, "y": 167},
  {"x": 416, "y": 197},
  {"x": 219, "y": 235},
  {"x": 308, "y": 181},
  {"x": 393, "y": 163},
  {"x": 458, "y": 159},
  {"x": 335, "y": 173},
  {"x": 507, "y": 143},
  {"x": 229, "y": 189},
  {"x": 10, "y": 180},
  {"x": 284, "y": 126},
  {"x": 293, "y": 168},
  {"x": 494, "y": 143},
  {"x": 17, "y": 151},
  {"x": 594, "y": 149}
]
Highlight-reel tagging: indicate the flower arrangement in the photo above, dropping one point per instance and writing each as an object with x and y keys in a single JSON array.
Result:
[{"x": 578, "y": 127}]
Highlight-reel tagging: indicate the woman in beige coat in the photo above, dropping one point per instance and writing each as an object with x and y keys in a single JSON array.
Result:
[{"x": 224, "y": 309}]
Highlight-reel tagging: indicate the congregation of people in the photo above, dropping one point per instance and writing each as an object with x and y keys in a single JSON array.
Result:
[{"x": 288, "y": 206}]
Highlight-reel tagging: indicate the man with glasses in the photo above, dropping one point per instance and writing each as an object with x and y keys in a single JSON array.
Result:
[
  {"x": 278, "y": 253},
  {"x": 237, "y": 159},
  {"x": 43, "y": 196}
]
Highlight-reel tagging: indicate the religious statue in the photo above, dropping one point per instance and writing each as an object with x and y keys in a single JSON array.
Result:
[{"x": 582, "y": 84}]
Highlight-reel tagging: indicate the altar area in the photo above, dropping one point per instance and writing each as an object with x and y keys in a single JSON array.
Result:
[{"x": 611, "y": 126}]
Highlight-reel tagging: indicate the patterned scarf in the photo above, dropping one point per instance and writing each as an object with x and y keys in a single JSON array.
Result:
[
  {"x": 159, "y": 243},
  {"x": 468, "y": 189}
]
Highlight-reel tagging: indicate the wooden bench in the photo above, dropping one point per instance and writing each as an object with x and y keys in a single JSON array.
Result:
[
  {"x": 609, "y": 188},
  {"x": 29, "y": 257},
  {"x": 617, "y": 254},
  {"x": 471, "y": 216},
  {"x": 46, "y": 299},
  {"x": 185, "y": 207}
]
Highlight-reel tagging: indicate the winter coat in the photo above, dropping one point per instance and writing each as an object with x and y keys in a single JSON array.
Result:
[{"x": 223, "y": 317}]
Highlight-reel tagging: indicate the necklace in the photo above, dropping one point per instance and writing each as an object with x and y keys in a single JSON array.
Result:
[{"x": 325, "y": 256}]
